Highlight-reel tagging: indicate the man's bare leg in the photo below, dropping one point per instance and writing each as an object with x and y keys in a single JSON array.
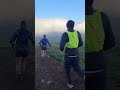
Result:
[
  {"x": 18, "y": 68},
  {"x": 45, "y": 52},
  {"x": 18, "y": 63},
  {"x": 23, "y": 65},
  {"x": 42, "y": 54}
]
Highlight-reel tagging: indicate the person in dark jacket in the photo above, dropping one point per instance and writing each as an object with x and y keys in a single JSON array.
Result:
[
  {"x": 19, "y": 41},
  {"x": 43, "y": 44},
  {"x": 99, "y": 38},
  {"x": 70, "y": 42}
]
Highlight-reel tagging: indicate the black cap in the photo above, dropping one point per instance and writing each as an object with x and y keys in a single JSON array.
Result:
[{"x": 70, "y": 24}]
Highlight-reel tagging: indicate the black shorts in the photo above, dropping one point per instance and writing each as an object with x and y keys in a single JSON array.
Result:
[
  {"x": 44, "y": 48},
  {"x": 21, "y": 53}
]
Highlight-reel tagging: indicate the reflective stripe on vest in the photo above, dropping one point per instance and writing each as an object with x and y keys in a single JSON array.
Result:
[
  {"x": 73, "y": 40},
  {"x": 97, "y": 71},
  {"x": 94, "y": 33}
]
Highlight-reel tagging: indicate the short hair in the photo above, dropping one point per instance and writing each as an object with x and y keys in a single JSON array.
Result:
[
  {"x": 44, "y": 35},
  {"x": 89, "y": 2},
  {"x": 23, "y": 22},
  {"x": 70, "y": 24}
]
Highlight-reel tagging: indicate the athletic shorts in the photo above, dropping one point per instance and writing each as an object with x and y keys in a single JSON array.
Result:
[
  {"x": 44, "y": 48},
  {"x": 21, "y": 53}
]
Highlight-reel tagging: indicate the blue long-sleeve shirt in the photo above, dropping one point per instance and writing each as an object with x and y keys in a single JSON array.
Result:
[
  {"x": 21, "y": 37},
  {"x": 65, "y": 39},
  {"x": 43, "y": 42}
]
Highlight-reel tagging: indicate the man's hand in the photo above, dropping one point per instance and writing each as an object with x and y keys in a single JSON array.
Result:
[{"x": 13, "y": 45}]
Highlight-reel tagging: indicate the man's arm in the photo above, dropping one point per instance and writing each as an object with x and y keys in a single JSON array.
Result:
[
  {"x": 48, "y": 42},
  {"x": 63, "y": 41},
  {"x": 40, "y": 42},
  {"x": 80, "y": 40},
  {"x": 109, "y": 37},
  {"x": 13, "y": 38},
  {"x": 31, "y": 38}
]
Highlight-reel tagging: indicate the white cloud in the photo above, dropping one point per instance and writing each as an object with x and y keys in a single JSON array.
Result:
[
  {"x": 80, "y": 27},
  {"x": 44, "y": 26}
]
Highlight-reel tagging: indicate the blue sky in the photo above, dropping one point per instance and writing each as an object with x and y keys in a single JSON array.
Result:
[{"x": 66, "y": 9}]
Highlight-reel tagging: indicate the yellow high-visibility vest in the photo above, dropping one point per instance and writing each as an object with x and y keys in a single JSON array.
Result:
[
  {"x": 94, "y": 33},
  {"x": 73, "y": 40}
]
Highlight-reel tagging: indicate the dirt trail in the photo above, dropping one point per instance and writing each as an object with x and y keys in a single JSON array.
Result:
[
  {"x": 8, "y": 73},
  {"x": 50, "y": 75}
]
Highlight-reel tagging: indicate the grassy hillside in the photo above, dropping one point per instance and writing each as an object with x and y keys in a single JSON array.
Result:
[{"x": 58, "y": 55}]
